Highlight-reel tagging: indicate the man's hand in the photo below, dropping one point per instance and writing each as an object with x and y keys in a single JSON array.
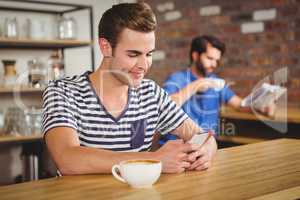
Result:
[
  {"x": 203, "y": 157},
  {"x": 174, "y": 156},
  {"x": 269, "y": 110},
  {"x": 203, "y": 84}
]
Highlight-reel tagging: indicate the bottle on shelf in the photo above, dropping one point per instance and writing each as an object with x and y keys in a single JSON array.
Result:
[
  {"x": 33, "y": 120},
  {"x": 10, "y": 72},
  {"x": 67, "y": 28},
  {"x": 37, "y": 73},
  {"x": 36, "y": 29},
  {"x": 56, "y": 66},
  {"x": 11, "y": 28},
  {"x": 15, "y": 122}
]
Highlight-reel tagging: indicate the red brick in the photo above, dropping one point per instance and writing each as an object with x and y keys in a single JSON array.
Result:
[
  {"x": 295, "y": 83},
  {"x": 276, "y": 25},
  {"x": 284, "y": 48},
  {"x": 297, "y": 47},
  {"x": 220, "y": 20},
  {"x": 233, "y": 51},
  {"x": 290, "y": 35},
  {"x": 243, "y": 17},
  {"x": 289, "y": 11},
  {"x": 279, "y": 2},
  {"x": 275, "y": 48},
  {"x": 297, "y": 35},
  {"x": 190, "y": 12},
  {"x": 231, "y": 29},
  {"x": 262, "y": 61},
  {"x": 234, "y": 61},
  {"x": 230, "y": 8},
  {"x": 248, "y": 39},
  {"x": 293, "y": 96},
  {"x": 271, "y": 36}
]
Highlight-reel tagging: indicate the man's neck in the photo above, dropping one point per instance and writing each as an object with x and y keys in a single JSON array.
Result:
[
  {"x": 104, "y": 81},
  {"x": 112, "y": 93}
]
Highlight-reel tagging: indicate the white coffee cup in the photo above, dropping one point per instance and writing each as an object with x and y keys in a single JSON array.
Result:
[
  {"x": 218, "y": 83},
  {"x": 139, "y": 173}
]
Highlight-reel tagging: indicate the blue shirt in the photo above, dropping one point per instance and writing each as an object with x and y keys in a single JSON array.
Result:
[{"x": 203, "y": 107}]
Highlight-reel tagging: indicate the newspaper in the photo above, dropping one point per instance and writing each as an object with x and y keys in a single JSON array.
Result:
[{"x": 263, "y": 96}]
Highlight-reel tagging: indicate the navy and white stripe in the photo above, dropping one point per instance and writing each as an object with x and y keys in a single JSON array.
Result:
[{"x": 72, "y": 102}]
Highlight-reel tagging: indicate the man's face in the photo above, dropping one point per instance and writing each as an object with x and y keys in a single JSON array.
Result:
[
  {"x": 132, "y": 56},
  {"x": 208, "y": 61}
]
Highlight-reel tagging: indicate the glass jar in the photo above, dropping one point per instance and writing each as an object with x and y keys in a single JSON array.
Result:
[
  {"x": 67, "y": 28},
  {"x": 33, "y": 120},
  {"x": 11, "y": 28},
  {"x": 56, "y": 64},
  {"x": 10, "y": 73},
  {"x": 36, "y": 29},
  {"x": 15, "y": 122},
  {"x": 2, "y": 113},
  {"x": 37, "y": 73}
]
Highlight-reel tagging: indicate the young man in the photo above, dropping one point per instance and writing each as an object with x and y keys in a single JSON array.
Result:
[
  {"x": 95, "y": 120},
  {"x": 195, "y": 94}
]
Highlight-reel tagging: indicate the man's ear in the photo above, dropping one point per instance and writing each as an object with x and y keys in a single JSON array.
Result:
[
  {"x": 195, "y": 56},
  {"x": 105, "y": 47}
]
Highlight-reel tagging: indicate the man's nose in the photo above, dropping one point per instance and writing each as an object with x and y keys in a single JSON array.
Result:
[
  {"x": 214, "y": 64},
  {"x": 143, "y": 62}
]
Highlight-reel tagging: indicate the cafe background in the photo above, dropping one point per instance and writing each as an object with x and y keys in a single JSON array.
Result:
[{"x": 261, "y": 37}]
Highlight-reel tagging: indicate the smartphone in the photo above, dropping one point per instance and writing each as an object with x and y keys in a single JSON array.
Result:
[{"x": 200, "y": 139}]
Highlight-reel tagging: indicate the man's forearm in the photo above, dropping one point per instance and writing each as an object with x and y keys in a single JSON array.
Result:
[
  {"x": 184, "y": 94},
  {"x": 187, "y": 129},
  {"x": 85, "y": 160}
]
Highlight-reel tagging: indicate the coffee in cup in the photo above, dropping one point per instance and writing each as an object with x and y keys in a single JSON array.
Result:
[{"x": 139, "y": 173}]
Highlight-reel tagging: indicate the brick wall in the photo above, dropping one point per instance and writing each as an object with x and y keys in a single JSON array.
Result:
[{"x": 261, "y": 37}]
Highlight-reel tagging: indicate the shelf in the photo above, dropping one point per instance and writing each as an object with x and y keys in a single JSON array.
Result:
[
  {"x": 41, "y": 44},
  {"x": 52, "y": 8},
  {"x": 21, "y": 89},
  {"x": 20, "y": 139},
  {"x": 40, "y": 6}
]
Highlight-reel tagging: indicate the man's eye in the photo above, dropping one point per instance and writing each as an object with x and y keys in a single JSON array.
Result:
[
  {"x": 132, "y": 55},
  {"x": 149, "y": 54}
]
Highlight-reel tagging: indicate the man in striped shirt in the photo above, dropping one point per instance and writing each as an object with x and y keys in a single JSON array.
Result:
[{"x": 97, "y": 119}]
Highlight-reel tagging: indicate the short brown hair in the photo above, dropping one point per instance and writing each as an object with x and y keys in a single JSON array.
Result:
[
  {"x": 199, "y": 45},
  {"x": 135, "y": 16}
]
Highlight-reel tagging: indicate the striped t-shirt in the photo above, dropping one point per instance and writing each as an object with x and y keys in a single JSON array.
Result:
[{"x": 72, "y": 102}]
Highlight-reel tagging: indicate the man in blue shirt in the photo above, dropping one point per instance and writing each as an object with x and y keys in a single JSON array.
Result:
[{"x": 195, "y": 90}]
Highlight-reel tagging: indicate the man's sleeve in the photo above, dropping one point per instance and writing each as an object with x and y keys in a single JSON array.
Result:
[
  {"x": 57, "y": 109},
  {"x": 226, "y": 94},
  {"x": 170, "y": 115},
  {"x": 173, "y": 84}
]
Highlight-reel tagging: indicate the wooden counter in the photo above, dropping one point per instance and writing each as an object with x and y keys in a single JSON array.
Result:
[
  {"x": 293, "y": 115},
  {"x": 266, "y": 170},
  {"x": 21, "y": 138}
]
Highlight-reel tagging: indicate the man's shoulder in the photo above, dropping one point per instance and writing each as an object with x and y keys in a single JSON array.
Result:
[
  {"x": 149, "y": 87},
  {"x": 181, "y": 77},
  {"x": 69, "y": 83},
  {"x": 181, "y": 73},
  {"x": 147, "y": 84}
]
